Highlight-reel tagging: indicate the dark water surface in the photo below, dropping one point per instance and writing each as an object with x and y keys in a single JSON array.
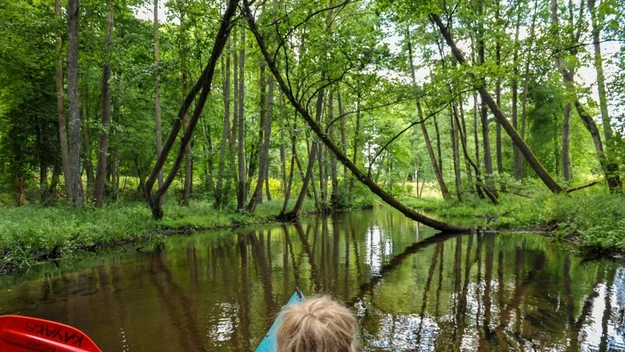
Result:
[{"x": 219, "y": 291}]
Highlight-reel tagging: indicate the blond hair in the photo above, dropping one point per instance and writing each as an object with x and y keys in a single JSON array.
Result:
[{"x": 319, "y": 324}]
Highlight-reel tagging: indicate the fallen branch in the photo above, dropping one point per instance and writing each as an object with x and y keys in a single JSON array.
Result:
[{"x": 571, "y": 190}]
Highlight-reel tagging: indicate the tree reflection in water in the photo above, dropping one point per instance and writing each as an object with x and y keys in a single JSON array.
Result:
[{"x": 411, "y": 290}]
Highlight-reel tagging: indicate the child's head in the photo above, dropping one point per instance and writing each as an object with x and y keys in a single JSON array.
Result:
[{"x": 317, "y": 325}]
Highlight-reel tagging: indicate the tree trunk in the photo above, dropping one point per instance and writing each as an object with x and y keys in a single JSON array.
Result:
[
  {"x": 61, "y": 109},
  {"x": 613, "y": 175},
  {"x": 343, "y": 138},
  {"x": 566, "y": 159},
  {"x": 456, "y": 149},
  {"x": 439, "y": 149},
  {"x": 222, "y": 193},
  {"x": 476, "y": 134},
  {"x": 428, "y": 143},
  {"x": 330, "y": 144},
  {"x": 241, "y": 190},
  {"x": 20, "y": 184},
  {"x": 481, "y": 59},
  {"x": 188, "y": 158},
  {"x": 525, "y": 149},
  {"x": 488, "y": 161},
  {"x": 267, "y": 186},
  {"x": 115, "y": 172},
  {"x": 294, "y": 213},
  {"x": 598, "y": 62},
  {"x": 516, "y": 155},
  {"x": 202, "y": 86},
  {"x": 88, "y": 162},
  {"x": 266, "y": 121},
  {"x": 209, "y": 170},
  {"x": 157, "y": 100},
  {"x": 323, "y": 181},
  {"x": 289, "y": 183},
  {"x": 283, "y": 127},
  {"x": 463, "y": 141},
  {"x": 334, "y": 198},
  {"x": 481, "y": 186},
  {"x": 437, "y": 171},
  {"x": 526, "y": 78},
  {"x": 103, "y": 146},
  {"x": 498, "y": 145},
  {"x": 610, "y": 168},
  {"x": 235, "y": 113},
  {"x": 74, "y": 108},
  {"x": 356, "y": 143},
  {"x": 257, "y": 194}
]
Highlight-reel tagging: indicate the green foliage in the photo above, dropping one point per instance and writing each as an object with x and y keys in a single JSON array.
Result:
[{"x": 588, "y": 217}]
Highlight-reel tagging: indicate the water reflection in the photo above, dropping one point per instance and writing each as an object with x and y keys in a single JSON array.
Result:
[{"x": 411, "y": 290}]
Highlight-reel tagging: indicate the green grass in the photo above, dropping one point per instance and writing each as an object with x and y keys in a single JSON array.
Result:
[
  {"x": 34, "y": 232},
  {"x": 591, "y": 219}
]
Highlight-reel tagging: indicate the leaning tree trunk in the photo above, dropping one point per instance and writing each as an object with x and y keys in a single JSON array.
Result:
[
  {"x": 330, "y": 144},
  {"x": 103, "y": 147},
  {"x": 294, "y": 213},
  {"x": 501, "y": 118},
  {"x": 61, "y": 109},
  {"x": 74, "y": 108},
  {"x": 435, "y": 165},
  {"x": 202, "y": 86},
  {"x": 463, "y": 141},
  {"x": 610, "y": 168}
]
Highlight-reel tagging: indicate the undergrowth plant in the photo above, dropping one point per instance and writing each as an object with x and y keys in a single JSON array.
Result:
[{"x": 591, "y": 218}]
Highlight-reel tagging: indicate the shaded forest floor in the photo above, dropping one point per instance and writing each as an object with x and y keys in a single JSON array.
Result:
[{"x": 594, "y": 221}]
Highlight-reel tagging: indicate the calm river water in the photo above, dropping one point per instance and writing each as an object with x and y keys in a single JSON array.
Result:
[{"x": 411, "y": 290}]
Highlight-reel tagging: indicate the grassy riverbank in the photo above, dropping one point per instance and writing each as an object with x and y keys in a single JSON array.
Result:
[
  {"x": 594, "y": 221},
  {"x": 35, "y": 233}
]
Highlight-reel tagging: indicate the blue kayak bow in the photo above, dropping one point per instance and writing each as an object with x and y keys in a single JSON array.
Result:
[{"x": 269, "y": 344}]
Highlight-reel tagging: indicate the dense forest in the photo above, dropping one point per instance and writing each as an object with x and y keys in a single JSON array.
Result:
[{"x": 336, "y": 103}]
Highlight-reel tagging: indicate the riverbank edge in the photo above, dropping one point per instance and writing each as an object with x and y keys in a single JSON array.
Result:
[
  {"x": 200, "y": 218},
  {"x": 152, "y": 234},
  {"x": 594, "y": 223}
]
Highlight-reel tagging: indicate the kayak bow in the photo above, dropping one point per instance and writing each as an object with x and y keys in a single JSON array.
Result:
[
  {"x": 26, "y": 334},
  {"x": 268, "y": 344}
]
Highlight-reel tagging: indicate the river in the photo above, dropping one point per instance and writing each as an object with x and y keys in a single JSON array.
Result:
[{"x": 411, "y": 290}]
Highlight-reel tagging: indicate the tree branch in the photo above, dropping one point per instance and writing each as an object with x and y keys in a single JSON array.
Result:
[{"x": 332, "y": 147}]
